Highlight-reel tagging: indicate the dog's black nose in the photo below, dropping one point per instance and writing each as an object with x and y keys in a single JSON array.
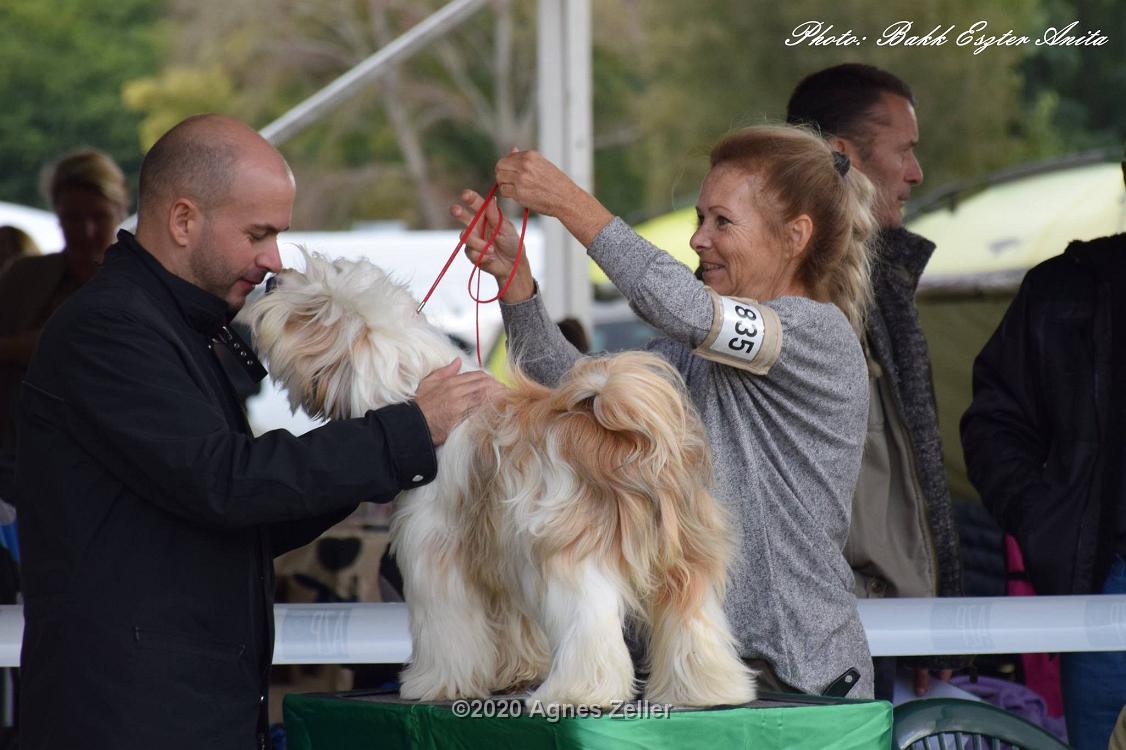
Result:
[{"x": 271, "y": 283}]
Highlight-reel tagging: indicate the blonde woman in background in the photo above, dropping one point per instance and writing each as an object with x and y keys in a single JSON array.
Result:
[{"x": 87, "y": 192}]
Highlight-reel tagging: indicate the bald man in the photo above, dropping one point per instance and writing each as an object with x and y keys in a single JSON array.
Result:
[{"x": 150, "y": 515}]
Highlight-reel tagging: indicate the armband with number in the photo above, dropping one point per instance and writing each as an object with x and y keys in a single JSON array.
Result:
[{"x": 745, "y": 334}]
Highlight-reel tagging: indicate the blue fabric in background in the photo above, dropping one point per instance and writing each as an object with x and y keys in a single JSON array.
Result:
[
  {"x": 277, "y": 737},
  {"x": 10, "y": 540},
  {"x": 1094, "y": 683},
  {"x": 8, "y": 537}
]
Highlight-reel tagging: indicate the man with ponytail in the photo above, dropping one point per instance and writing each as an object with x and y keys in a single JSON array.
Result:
[
  {"x": 767, "y": 342},
  {"x": 903, "y": 541}
]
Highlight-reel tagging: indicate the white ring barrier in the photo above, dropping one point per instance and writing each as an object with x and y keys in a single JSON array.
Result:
[
  {"x": 994, "y": 625},
  {"x": 341, "y": 634},
  {"x": 379, "y": 633}
]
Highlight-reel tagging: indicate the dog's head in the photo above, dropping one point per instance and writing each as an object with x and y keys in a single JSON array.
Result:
[{"x": 343, "y": 337}]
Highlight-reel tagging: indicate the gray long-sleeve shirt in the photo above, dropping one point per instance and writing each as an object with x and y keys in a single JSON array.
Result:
[{"x": 786, "y": 450}]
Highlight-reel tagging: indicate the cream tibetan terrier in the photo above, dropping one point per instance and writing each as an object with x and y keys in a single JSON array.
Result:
[{"x": 557, "y": 514}]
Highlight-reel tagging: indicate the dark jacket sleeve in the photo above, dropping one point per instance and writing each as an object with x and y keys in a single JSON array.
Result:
[
  {"x": 1005, "y": 432},
  {"x": 132, "y": 399},
  {"x": 289, "y": 535}
]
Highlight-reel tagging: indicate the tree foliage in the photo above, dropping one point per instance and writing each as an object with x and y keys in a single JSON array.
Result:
[
  {"x": 1084, "y": 82},
  {"x": 709, "y": 77},
  {"x": 403, "y": 148},
  {"x": 62, "y": 66},
  {"x": 669, "y": 78},
  {"x": 400, "y": 149}
]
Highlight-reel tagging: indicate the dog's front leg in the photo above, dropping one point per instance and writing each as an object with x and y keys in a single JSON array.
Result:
[
  {"x": 453, "y": 652},
  {"x": 583, "y": 611}
]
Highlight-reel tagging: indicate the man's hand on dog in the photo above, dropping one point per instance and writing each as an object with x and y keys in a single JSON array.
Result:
[{"x": 446, "y": 397}]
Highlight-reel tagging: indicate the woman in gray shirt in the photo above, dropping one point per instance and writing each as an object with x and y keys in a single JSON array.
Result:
[{"x": 767, "y": 345}]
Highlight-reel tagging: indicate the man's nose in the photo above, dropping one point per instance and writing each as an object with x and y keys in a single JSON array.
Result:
[
  {"x": 271, "y": 258},
  {"x": 914, "y": 171}
]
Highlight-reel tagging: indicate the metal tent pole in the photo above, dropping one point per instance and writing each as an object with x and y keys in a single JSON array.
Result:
[
  {"x": 565, "y": 135},
  {"x": 366, "y": 73}
]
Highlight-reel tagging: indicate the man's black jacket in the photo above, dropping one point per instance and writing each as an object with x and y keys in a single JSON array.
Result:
[
  {"x": 149, "y": 517},
  {"x": 1036, "y": 437}
]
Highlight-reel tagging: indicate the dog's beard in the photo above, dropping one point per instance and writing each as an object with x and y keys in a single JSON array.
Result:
[{"x": 343, "y": 337}]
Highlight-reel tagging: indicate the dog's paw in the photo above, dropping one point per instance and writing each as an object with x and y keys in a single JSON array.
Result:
[
  {"x": 613, "y": 691},
  {"x": 423, "y": 690},
  {"x": 423, "y": 685},
  {"x": 737, "y": 689}
]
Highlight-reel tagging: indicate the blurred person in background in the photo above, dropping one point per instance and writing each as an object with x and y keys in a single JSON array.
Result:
[
  {"x": 14, "y": 243},
  {"x": 574, "y": 331},
  {"x": 88, "y": 193},
  {"x": 903, "y": 542},
  {"x": 1044, "y": 440}
]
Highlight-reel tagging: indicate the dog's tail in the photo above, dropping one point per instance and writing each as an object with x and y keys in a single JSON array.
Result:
[{"x": 627, "y": 430}]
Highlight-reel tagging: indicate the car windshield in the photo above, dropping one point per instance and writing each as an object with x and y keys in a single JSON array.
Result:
[{"x": 622, "y": 335}]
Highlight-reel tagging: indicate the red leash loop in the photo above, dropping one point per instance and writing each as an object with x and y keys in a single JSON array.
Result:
[
  {"x": 481, "y": 259},
  {"x": 457, "y": 249}
]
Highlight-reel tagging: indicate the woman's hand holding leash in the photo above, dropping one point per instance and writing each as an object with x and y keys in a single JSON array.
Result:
[{"x": 504, "y": 250}]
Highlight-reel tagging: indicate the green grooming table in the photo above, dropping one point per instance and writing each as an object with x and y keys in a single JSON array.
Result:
[{"x": 372, "y": 720}]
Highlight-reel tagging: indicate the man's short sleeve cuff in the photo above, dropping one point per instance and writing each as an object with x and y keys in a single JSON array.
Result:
[{"x": 409, "y": 444}]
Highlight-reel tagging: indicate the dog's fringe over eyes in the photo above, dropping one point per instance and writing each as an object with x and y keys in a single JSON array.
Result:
[{"x": 557, "y": 514}]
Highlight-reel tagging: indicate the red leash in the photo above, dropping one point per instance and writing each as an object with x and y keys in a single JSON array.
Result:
[{"x": 481, "y": 259}]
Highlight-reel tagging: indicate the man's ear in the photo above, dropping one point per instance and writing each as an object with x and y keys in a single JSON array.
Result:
[
  {"x": 798, "y": 232},
  {"x": 184, "y": 221},
  {"x": 845, "y": 146}
]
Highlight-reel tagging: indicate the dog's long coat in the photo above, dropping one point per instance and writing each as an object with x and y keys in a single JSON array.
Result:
[{"x": 557, "y": 513}]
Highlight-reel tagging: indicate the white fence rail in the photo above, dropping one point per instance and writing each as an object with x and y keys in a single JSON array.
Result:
[
  {"x": 995, "y": 625},
  {"x": 378, "y": 633}
]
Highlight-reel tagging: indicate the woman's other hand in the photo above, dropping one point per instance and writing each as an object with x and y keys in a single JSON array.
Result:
[{"x": 538, "y": 185}]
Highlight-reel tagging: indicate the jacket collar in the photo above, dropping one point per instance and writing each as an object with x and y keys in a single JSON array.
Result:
[
  {"x": 904, "y": 251},
  {"x": 204, "y": 311},
  {"x": 1102, "y": 254}
]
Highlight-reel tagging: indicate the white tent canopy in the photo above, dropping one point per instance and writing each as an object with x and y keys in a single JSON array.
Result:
[{"x": 43, "y": 226}]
